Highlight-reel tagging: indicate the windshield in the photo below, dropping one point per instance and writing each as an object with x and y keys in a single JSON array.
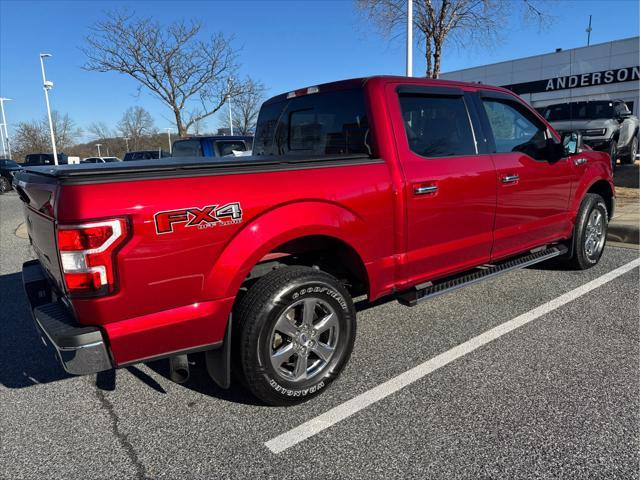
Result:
[
  {"x": 579, "y": 111},
  {"x": 8, "y": 163}
]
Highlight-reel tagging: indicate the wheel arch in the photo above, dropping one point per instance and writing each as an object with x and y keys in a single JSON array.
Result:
[{"x": 300, "y": 228}]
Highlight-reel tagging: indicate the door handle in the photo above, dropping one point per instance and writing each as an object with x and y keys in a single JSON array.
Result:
[
  {"x": 510, "y": 178},
  {"x": 580, "y": 161},
  {"x": 426, "y": 189}
]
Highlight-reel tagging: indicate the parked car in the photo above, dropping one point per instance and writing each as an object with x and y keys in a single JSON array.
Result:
[
  {"x": 605, "y": 125},
  {"x": 101, "y": 160},
  {"x": 8, "y": 169},
  {"x": 212, "y": 146},
  {"x": 145, "y": 155},
  {"x": 389, "y": 187},
  {"x": 44, "y": 159}
]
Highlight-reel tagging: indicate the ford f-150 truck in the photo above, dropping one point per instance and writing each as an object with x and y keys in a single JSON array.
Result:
[{"x": 388, "y": 187}]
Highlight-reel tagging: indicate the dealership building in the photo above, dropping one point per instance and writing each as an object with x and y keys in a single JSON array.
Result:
[{"x": 605, "y": 71}]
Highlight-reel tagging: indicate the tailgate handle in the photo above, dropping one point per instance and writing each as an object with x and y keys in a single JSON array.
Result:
[{"x": 425, "y": 189}]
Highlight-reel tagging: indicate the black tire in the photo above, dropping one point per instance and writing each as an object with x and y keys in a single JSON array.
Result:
[
  {"x": 581, "y": 259},
  {"x": 5, "y": 185},
  {"x": 280, "y": 295},
  {"x": 629, "y": 158},
  {"x": 613, "y": 154}
]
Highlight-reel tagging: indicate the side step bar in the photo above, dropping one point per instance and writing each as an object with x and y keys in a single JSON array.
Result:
[{"x": 412, "y": 297}]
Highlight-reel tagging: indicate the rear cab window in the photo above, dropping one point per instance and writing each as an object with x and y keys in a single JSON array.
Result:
[
  {"x": 323, "y": 123},
  {"x": 187, "y": 148}
]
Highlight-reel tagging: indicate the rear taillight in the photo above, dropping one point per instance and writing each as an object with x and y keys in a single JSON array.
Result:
[{"x": 87, "y": 254}]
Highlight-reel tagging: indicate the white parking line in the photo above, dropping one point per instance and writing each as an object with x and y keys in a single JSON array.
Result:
[{"x": 350, "y": 407}]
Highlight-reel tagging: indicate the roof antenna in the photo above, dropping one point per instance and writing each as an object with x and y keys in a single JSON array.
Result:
[{"x": 588, "y": 30}]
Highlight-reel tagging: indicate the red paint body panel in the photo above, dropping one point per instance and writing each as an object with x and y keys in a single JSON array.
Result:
[{"x": 175, "y": 290}]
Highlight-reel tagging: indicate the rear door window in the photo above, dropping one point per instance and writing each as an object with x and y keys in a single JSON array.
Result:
[{"x": 437, "y": 126}]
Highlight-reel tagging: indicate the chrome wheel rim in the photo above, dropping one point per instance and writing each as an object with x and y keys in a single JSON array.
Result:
[
  {"x": 304, "y": 339},
  {"x": 634, "y": 149},
  {"x": 594, "y": 234}
]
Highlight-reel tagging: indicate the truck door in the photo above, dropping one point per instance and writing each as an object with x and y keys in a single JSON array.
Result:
[
  {"x": 533, "y": 188},
  {"x": 450, "y": 187}
]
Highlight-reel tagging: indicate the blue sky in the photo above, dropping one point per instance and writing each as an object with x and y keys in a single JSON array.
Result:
[{"x": 284, "y": 44}]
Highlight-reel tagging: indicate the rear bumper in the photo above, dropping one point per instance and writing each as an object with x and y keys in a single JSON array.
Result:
[{"x": 81, "y": 349}]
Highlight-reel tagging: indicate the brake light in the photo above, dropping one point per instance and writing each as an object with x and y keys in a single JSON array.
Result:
[
  {"x": 303, "y": 91},
  {"x": 87, "y": 255}
]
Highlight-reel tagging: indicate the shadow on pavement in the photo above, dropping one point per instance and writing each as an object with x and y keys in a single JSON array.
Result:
[
  {"x": 199, "y": 381},
  {"x": 24, "y": 359}
]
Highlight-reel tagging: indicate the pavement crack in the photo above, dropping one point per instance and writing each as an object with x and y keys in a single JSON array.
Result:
[{"x": 123, "y": 439}]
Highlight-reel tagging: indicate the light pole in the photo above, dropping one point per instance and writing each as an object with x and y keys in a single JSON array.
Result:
[
  {"x": 409, "y": 38},
  {"x": 169, "y": 137},
  {"x": 48, "y": 85},
  {"x": 229, "y": 100},
  {"x": 7, "y": 148},
  {"x": 99, "y": 145},
  {"x": 126, "y": 139}
]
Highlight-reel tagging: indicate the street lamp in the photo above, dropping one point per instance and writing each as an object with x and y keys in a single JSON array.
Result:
[
  {"x": 169, "y": 136},
  {"x": 48, "y": 85},
  {"x": 6, "y": 148},
  {"x": 126, "y": 139},
  {"x": 409, "y": 38},
  {"x": 99, "y": 145}
]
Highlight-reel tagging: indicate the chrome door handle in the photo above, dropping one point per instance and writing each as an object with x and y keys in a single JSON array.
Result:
[
  {"x": 425, "y": 190},
  {"x": 580, "y": 161},
  {"x": 510, "y": 178}
]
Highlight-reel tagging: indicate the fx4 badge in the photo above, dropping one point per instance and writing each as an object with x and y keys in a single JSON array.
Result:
[{"x": 206, "y": 217}]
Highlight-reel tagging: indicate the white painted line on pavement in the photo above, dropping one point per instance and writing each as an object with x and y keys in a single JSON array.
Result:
[{"x": 362, "y": 401}]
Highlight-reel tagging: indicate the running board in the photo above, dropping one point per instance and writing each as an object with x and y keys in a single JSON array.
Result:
[{"x": 417, "y": 295}]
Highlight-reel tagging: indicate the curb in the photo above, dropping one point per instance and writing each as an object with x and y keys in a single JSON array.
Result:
[{"x": 623, "y": 233}]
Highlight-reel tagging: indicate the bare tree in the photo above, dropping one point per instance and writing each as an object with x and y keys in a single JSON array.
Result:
[
  {"x": 34, "y": 136},
  {"x": 464, "y": 23},
  {"x": 100, "y": 130},
  {"x": 246, "y": 106},
  {"x": 193, "y": 77},
  {"x": 136, "y": 123}
]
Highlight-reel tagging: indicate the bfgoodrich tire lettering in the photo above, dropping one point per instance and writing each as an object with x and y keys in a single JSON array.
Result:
[{"x": 295, "y": 333}]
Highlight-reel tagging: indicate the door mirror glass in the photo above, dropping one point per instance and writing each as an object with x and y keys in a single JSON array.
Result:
[{"x": 572, "y": 143}]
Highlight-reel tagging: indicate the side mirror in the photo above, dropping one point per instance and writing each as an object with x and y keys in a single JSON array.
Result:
[
  {"x": 624, "y": 114},
  {"x": 572, "y": 143}
]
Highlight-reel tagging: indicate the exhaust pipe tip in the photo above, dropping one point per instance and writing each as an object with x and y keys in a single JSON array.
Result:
[{"x": 179, "y": 368}]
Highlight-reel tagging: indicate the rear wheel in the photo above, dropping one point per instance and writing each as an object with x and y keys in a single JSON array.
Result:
[
  {"x": 295, "y": 332},
  {"x": 590, "y": 232}
]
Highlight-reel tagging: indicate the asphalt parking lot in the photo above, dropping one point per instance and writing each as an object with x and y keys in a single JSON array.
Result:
[{"x": 557, "y": 397}]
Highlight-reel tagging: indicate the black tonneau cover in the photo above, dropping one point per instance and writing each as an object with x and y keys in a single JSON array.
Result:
[{"x": 185, "y": 166}]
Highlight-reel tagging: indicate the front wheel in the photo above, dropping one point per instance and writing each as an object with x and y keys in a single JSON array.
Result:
[
  {"x": 295, "y": 333},
  {"x": 589, "y": 233},
  {"x": 613, "y": 154},
  {"x": 5, "y": 185},
  {"x": 633, "y": 151}
]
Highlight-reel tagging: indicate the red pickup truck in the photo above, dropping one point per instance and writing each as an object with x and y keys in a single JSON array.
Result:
[{"x": 388, "y": 187}]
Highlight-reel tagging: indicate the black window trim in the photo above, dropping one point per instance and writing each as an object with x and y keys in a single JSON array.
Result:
[{"x": 433, "y": 91}]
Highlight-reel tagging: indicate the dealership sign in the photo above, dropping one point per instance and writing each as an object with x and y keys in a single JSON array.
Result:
[{"x": 604, "y": 77}]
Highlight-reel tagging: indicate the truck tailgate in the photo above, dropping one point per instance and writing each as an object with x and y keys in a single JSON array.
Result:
[{"x": 38, "y": 194}]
